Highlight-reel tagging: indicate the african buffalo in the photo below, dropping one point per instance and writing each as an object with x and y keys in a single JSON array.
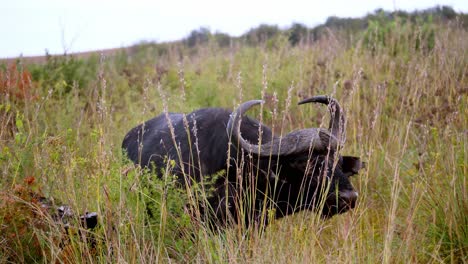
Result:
[{"x": 255, "y": 169}]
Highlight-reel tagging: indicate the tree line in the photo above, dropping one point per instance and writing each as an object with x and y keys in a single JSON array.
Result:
[{"x": 299, "y": 33}]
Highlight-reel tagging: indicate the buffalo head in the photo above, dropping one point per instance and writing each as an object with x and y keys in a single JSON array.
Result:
[{"x": 307, "y": 164}]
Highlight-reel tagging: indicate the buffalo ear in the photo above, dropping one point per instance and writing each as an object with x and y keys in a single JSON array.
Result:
[{"x": 352, "y": 165}]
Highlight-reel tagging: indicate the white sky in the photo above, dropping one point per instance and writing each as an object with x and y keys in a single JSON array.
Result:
[{"x": 29, "y": 27}]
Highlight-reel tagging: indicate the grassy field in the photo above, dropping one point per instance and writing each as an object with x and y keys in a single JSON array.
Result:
[{"x": 406, "y": 100}]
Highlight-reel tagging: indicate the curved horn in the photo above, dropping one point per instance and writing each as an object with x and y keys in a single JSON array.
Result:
[
  {"x": 298, "y": 141},
  {"x": 337, "y": 124},
  {"x": 233, "y": 125}
]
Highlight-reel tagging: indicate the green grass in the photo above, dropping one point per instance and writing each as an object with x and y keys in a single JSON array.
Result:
[{"x": 407, "y": 112}]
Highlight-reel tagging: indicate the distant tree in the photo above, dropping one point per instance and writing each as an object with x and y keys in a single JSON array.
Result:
[
  {"x": 448, "y": 12},
  {"x": 198, "y": 36},
  {"x": 297, "y": 33},
  {"x": 261, "y": 34},
  {"x": 332, "y": 21},
  {"x": 223, "y": 39},
  {"x": 401, "y": 14}
]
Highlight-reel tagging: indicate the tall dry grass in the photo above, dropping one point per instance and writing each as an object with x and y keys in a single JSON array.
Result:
[{"x": 407, "y": 118}]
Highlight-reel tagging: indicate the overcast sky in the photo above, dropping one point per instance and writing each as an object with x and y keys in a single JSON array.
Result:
[{"x": 29, "y": 27}]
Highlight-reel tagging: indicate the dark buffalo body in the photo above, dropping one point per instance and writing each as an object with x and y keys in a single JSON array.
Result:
[
  {"x": 288, "y": 174},
  {"x": 157, "y": 141}
]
